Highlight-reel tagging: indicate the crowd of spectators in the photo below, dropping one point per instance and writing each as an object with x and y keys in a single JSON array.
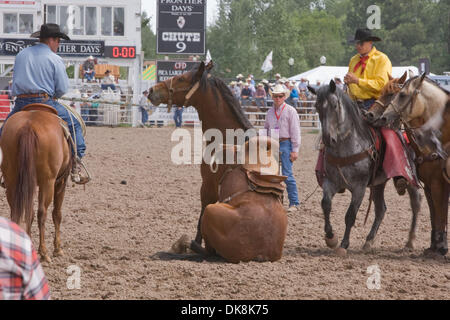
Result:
[{"x": 249, "y": 92}]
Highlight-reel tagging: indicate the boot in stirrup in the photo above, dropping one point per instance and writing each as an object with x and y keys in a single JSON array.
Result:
[{"x": 76, "y": 172}]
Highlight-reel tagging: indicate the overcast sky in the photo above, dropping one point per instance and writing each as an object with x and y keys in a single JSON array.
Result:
[{"x": 150, "y": 7}]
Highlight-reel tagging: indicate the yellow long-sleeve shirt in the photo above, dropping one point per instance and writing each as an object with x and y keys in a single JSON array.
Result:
[{"x": 374, "y": 77}]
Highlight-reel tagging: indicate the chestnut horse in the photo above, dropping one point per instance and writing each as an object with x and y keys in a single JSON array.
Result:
[
  {"x": 36, "y": 153},
  {"x": 219, "y": 109},
  {"x": 416, "y": 103}
]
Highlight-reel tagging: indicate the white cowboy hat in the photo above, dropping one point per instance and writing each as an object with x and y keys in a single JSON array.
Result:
[
  {"x": 278, "y": 75},
  {"x": 239, "y": 76},
  {"x": 278, "y": 89},
  {"x": 265, "y": 81}
]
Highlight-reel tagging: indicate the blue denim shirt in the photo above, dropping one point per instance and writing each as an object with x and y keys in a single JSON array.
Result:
[{"x": 38, "y": 69}]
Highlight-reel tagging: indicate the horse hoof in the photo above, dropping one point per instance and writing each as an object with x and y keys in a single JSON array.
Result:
[
  {"x": 341, "y": 252},
  {"x": 409, "y": 246},
  {"x": 367, "y": 246},
  {"x": 331, "y": 243},
  {"x": 45, "y": 258},
  {"x": 181, "y": 245},
  {"x": 58, "y": 253}
]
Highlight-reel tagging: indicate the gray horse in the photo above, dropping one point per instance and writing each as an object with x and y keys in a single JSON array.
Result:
[{"x": 350, "y": 160}]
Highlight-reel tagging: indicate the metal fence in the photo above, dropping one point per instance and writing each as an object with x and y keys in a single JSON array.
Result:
[{"x": 114, "y": 109}]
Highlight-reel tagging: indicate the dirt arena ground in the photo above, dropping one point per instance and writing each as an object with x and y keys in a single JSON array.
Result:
[{"x": 111, "y": 230}]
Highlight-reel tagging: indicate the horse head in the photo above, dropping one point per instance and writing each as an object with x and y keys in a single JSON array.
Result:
[
  {"x": 178, "y": 90},
  {"x": 333, "y": 115},
  {"x": 387, "y": 95},
  {"x": 405, "y": 104},
  {"x": 429, "y": 141}
]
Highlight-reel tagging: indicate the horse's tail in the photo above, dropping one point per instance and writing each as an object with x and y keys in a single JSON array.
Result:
[{"x": 26, "y": 178}]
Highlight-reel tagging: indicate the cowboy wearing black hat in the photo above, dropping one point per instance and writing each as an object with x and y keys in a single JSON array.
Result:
[
  {"x": 368, "y": 70},
  {"x": 40, "y": 77},
  {"x": 367, "y": 75}
]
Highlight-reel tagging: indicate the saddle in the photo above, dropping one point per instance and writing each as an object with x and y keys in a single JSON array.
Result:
[
  {"x": 40, "y": 107},
  {"x": 243, "y": 180}
]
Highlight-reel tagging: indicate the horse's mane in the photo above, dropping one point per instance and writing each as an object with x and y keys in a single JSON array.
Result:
[
  {"x": 431, "y": 81},
  {"x": 352, "y": 109},
  {"x": 392, "y": 86},
  {"x": 219, "y": 86}
]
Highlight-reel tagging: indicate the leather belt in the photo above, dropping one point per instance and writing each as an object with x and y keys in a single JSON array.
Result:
[
  {"x": 284, "y": 139},
  {"x": 33, "y": 95}
]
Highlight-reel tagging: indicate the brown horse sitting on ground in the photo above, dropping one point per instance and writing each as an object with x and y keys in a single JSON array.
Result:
[
  {"x": 218, "y": 109},
  {"x": 249, "y": 221},
  {"x": 36, "y": 153}
]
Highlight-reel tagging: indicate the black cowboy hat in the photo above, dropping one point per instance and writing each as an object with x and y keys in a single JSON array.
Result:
[
  {"x": 49, "y": 30},
  {"x": 364, "y": 35}
]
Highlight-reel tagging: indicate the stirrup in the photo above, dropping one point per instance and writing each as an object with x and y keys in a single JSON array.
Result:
[{"x": 75, "y": 174}]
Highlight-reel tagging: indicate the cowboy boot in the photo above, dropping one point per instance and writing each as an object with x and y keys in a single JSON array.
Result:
[
  {"x": 76, "y": 172},
  {"x": 400, "y": 184}
]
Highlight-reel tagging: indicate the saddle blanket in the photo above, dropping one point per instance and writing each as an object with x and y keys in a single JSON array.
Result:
[{"x": 395, "y": 161}]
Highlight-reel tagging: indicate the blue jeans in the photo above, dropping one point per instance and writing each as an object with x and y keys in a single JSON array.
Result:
[
  {"x": 368, "y": 103},
  {"x": 286, "y": 166},
  {"x": 178, "y": 117},
  {"x": 89, "y": 76},
  {"x": 106, "y": 86},
  {"x": 144, "y": 114},
  {"x": 62, "y": 113}
]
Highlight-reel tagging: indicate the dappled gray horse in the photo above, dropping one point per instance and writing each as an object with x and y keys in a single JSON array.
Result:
[{"x": 350, "y": 160}]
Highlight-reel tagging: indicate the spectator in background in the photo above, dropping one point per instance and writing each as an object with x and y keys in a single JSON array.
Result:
[
  {"x": 266, "y": 87},
  {"x": 260, "y": 96},
  {"x": 178, "y": 116},
  {"x": 339, "y": 83},
  {"x": 252, "y": 81},
  {"x": 108, "y": 81},
  {"x": 251, "y": 87},
  {"x": 85, "y": 106},
  {"x": 277, "y": 78},
  {"x": 93, "y": 112},
  {"x": 89, "y": 69},
  {"x": 235, "y": 89},
  {"x": 294, "y": 96},
  {"x": 246, "y": 95},
  {"x": 143, "y": 108},
  {"x": 239, "y": 77},
  {"x": 303, "y": 85},
  {"x": 21, "y": 273}
]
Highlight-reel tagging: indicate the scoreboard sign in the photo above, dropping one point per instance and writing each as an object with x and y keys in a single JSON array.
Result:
[
  {"x": 169, "y": 69},
  {"x": 181, "y": 27}
]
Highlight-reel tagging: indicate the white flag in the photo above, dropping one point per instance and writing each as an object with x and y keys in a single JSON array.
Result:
[
  {"x": 267, "y": 65},
  {"x": 208, "y": 57}
]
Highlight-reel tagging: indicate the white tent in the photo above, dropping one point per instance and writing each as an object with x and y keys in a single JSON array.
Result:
[{"x": 325, "y": 73}]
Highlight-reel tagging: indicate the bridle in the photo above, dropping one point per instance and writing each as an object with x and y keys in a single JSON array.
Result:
[
  {"x": 410, "y": 102},
  {"x": 191, "y": 90}
]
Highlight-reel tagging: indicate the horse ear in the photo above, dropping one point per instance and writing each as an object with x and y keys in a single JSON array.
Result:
[
  {"x": 423, "y": 77},
  {"x": 332, "y": 86},
  {"x": 390, "y": 77},
  {"x": 312, "y": 90},
  {"x": 200, "y": 71},
  {"x": 403, "y": 78},
  {"x": 410, "y": 73},
  {"x": 209, "y": 66}
]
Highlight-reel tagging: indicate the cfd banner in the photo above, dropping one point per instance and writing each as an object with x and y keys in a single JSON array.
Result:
[
  {"x": 169, "y": 69},
  {"x": 181, "y": 26}
]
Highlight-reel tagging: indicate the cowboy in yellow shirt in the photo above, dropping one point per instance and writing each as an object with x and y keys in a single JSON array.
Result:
[{"x": 368, "y": 71}]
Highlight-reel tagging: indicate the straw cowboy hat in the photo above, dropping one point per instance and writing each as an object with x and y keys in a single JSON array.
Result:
[
  {"x": 280, "y": 89},
  {"x": 232, "y": 83},
  {"x": 49, "y": 30},
  {"x": 239, "y": 76},
  {"x": 277, "y": 75},
  {"x": 265, "y": 81}
]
